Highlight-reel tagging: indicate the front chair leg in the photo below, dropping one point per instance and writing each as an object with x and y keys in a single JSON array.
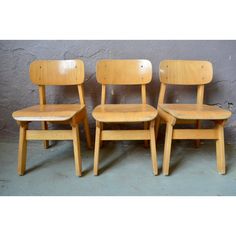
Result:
[
  {"x": 153, "y": 148},
  {"x": 22, "y": 150},
  {"x": 76, "y": 145},
  {"x": 97, "y": 147},
  {"x": 220, "y": 148},
  {"x": 167, "y": 148}
]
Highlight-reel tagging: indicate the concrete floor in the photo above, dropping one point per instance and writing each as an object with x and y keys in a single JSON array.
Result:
[{"x": 125, "y": 169}]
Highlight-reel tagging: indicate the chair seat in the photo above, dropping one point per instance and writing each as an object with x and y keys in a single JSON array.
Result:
[
  {"x": 124, "y": 113},
  {"x": 195, "y": 111},
  {"x": 48, "y": 112}
]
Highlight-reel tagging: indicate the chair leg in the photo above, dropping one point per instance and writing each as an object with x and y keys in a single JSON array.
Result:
[
  {"x": 220, "y": 149},
  {"x": 158, "y": 122},
  {"x": 76, "y": 146},
  {"x": 22, "y": 150},
  {"x": 97, "y": 147},
  {"x": 167, "y": 149},
  {"x": 87, "y": 131},
  {"x": 44, "y": 125},
  {"x": 153, "y": 148},
  {"x": 198, "y": 126},
  {"x": 145, "y": 141},
  {"x": 101, "y": 129}
]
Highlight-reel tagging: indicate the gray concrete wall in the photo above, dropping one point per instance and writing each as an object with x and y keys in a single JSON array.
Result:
[{"x": 17, "y": 91}]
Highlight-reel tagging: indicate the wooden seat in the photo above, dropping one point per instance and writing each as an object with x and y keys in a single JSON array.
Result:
[
  {"x": 124, "y": 113},
  {"x": 180, "y": 72},
  {"x": 49, "y": 112},
  {"x": 195, "y": 111},
  {"x": 54, "y": 72},
  {"x": 124, "y": 72}
]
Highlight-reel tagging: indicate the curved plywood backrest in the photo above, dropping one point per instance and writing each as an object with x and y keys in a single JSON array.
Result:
[
  {"x": 57, "y": 72},
  {"x": 124, "y": 72},
  {"x": 186, "y": 72}
]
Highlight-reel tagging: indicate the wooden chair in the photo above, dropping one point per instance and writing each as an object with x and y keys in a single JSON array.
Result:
[
  {"x": 124, "y": 72},
  {"x": 179, "y": 72},
  {"x": 54, "y": 72}
]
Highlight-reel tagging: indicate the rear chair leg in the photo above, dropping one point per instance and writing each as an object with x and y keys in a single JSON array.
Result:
[
  {"x": 220, "y": 148},
  {"x": 153, "y": 148},
  {"x": 146, "y": 128},
  {"x": 44, "y": 125},
  {"x": 76, "y": 145},
  {"x": 22, "y": 150},
  {"x": 97, "y": 147},
  {"x": 198, "y": 126},
  {"x": 167, "y": 148},
  {"x": 87, "y": 132},
  {"x": 101, "y": 129}
]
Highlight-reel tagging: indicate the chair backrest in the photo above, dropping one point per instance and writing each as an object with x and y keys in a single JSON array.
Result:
[
  {"x": 182, "y": 72},
  {"x": 185, "y": 72},
  {"x": 124, "y": 72},
  {"x": 57, "y": 72}
]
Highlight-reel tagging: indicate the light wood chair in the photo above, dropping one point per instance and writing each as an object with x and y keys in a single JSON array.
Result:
[
  {"x": 180, "y": 72},
  {"x": 124, "y": 72},
  {"x": 54, "y": 72}
]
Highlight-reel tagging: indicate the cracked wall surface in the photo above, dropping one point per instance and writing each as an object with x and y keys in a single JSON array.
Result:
[{"x": 17, "y": 91}]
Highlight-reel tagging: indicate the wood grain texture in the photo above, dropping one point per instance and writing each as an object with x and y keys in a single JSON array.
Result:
[
  {"x": 143, "y": 94},
  {"x": 220, "y": 148},
  {"x": 157, "y": 126},
  {"x": 22, "y": 150},
  {"x": 81, "y": 94},
  {"x": 124, "y": 113},
  {"x": 167, "y": 149},
  {"x": 162, "y": 94},
  {"x": 153, "y": 147},
  {"x": 200, "y": 94},
  {"x": 87, "y": 131},
  {"x": 146, "y": 125},
  {"x": 48, "y": 112},
  {"x": 200, "y": 100},
  {"x": 165, "y": 116},
  {"x": 76, "y": 147},
  {"x": 179, "y": 72},
  {"x": 54, "y": 72},
  {"x": 125, "y": 135},
  {"x": 42, "y": 101},
  {"x": 103, "y": 96},
  {"x": 195, "y": 111},
  {"x": 97, "y": 147},
  {"x": 57, "y": 72},
  {"x": 195, "y": 134},
  {"x": 48, "y": 135},
  {"x": 124, "y": 72},
  {"x": 185, "y": 72}
]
